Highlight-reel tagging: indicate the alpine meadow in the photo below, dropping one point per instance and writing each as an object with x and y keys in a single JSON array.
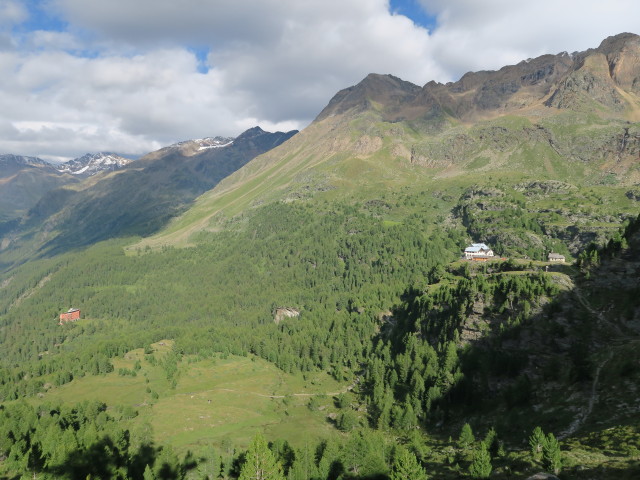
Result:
[{"x": 425, "y": 282}]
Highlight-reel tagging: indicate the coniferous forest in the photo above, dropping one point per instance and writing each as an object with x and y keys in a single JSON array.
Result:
[{"x": 416, "y": 367}]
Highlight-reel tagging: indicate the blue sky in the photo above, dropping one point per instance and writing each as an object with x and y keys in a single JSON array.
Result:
[
  {"x": 80, "y": 76},
  {"x": 414, "y": 10}
]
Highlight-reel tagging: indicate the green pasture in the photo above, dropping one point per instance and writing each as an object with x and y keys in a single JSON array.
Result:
[{"x": 215, "y": 401}]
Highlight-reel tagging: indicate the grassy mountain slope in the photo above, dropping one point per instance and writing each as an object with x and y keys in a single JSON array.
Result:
[{"x": 567, "y": 118}]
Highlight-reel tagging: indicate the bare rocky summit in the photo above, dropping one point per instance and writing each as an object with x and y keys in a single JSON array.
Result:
[{"x": 607, "y": 76}]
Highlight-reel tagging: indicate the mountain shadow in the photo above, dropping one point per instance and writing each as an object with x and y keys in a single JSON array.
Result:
[
  {"x": 142, "y": 198},
  {"x": 22, "y": 182}
]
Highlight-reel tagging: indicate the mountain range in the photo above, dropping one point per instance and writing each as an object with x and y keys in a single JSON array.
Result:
[
  {"x": 139, "y": 198},
  {"x": 182, "y": 260},
  {"x": 26, "y": 179}
]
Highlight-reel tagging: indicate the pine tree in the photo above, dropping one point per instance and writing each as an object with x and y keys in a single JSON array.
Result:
[
  {"x": 481, "y": 464},
  {"x": 304, "y": 466},
  {"x": 148, "y": 473},
  {"x": 551, "y": 455},
  {"x": 466, "y": 436},
  {"x": 260, "y": 463},
  {"x": 537, "y": 440},
  {"x": 328, "y": 459},
  {"x": 492, "y": 442},
  {"x": 406, "y": 466}
]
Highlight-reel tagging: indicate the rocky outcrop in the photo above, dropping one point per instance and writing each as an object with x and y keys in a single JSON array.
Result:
[
  {"x": 587, "y": 87},
  {"x": 371, "y": 93},
  {"x": 634, "y": 194},
  {"x": 545, "y": 187},
  {"x": 281, "y": 313},
  {"x": 543, "y": 476}
]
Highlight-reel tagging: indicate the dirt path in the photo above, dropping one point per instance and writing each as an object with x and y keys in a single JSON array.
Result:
[
  {"x": 599, "y": 315},
  {"x": 593, "y": 397},
  {"x": 30, "y": 292},
  {"x": 264, "y": 395},
  {"x": 585, "y": 412}
]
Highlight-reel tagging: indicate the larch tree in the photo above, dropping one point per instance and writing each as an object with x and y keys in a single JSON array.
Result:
[
  {"x": 551, "y": 454},
  {"x": 481, "y": 464},
  {"x": 260, "y": 463},
  {"x": 406, "y": 467},
  {"x": 537, "y": 441}
]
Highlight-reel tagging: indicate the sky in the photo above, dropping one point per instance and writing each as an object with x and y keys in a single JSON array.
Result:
[{"x": 131, "y": 76}]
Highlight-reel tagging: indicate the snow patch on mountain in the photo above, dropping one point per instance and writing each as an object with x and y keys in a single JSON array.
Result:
[
  {"x": 207, "y": 142},
  {"x": 93, "y": 163},
  {"x": 206, "y": 146}
]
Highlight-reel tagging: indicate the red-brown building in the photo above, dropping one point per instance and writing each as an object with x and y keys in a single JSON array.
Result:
[{"x": 71, "y": 315}]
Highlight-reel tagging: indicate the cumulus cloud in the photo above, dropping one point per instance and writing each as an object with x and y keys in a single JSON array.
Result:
[
  {"x": 131, "y": 76},
  {"x": 129, "y": 104},
  {"x": 472, "y": 35}
]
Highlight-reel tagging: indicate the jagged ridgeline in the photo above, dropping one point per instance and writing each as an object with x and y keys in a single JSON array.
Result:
[{"x": 354, "y": 227}]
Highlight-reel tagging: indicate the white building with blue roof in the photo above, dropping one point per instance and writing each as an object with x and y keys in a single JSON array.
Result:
[{"x": 478, "y": 250}]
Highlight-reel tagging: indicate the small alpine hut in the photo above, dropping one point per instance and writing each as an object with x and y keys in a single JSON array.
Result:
[
  {"x": 478, "y": 251},
  {"x": 556, "y": 258},
  {"x": 70, "y": 315}
]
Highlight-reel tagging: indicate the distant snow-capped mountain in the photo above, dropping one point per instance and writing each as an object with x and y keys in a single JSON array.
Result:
[
  {"x": 193, "y": 147},
  {"x": 93, "y": 163},
  {"x": 207, "y": 142}
]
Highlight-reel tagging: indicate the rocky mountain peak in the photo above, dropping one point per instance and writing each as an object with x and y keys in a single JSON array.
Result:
[
  {"x": 618, "y": 43},
  {"x": 623, "y": 58},
  {"x": 93, "y": 163},
  {"x": 599, "y": 76},
  {"x": 250, "y": 133},
  {"x": 373, "y": 91}
]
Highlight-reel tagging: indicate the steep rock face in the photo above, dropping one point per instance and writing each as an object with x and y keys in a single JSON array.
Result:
[
  {"x": 623, "y": 57},
  {"x": 511, "y": 87},
  {"x": 589, "y": 83},
  {"x": 602, "y": 75}
]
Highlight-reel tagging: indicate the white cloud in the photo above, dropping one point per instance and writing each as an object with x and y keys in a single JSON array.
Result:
[
  {"x": 130, "y": 105},
  {"x": 473, "y": 35},
  {"x": 11, "y": 12},
  {"x": 275, "y": 63},
  {"x": 50, "y": 40}
]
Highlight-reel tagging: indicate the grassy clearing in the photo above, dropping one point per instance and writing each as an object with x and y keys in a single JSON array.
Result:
[
  {"x": 232, "y": 398},
  {"x": 215, "y": 401}
]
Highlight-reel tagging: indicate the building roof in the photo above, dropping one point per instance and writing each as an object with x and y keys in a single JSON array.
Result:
[
  {"x": 556, "y": 255},
  {"x": 476, "y": 247},
  {"x": 71, "y": 310}
]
